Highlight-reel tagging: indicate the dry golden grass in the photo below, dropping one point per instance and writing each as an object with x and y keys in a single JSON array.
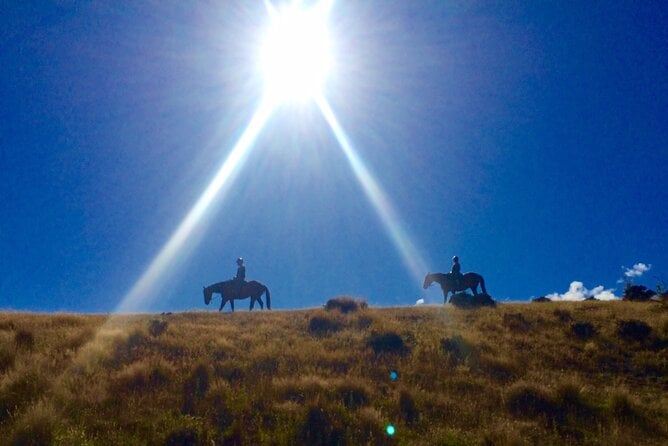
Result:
[{"x": 558, "y": 373}]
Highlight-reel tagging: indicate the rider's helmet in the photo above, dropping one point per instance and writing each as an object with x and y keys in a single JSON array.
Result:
[
  {"x": 455, "y": 259},
  {"x": 240, "y": 261}
]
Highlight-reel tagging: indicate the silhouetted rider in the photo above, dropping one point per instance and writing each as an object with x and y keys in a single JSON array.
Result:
[
  {"x": 456, "y": 271},
  {"x": 240, "y": 278}
]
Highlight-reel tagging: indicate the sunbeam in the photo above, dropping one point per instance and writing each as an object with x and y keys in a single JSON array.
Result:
[
  {"x": 232, "y": 164},
  {"x": 409, "y": 253}
]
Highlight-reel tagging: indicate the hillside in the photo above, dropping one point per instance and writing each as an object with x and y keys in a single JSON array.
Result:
[{"x": 556, "y": 373}]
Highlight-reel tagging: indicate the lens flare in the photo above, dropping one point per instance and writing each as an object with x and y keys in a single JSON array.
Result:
[
  {"x": 296, "y": 55},
  {"x": 380, "y": 201},
  {"x": 139, "y": 294}
]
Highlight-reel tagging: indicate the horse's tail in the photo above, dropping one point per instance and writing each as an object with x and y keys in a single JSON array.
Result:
[
  {"x": 482, "y": 284},
  {"x": 266, "y": 290}
]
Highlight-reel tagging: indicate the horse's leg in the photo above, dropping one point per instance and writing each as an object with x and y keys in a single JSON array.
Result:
[
  {"x": 259, "y": 300},
  {"x": 445, "y": 296},
  {"x": 222, "y": 303},
  {"x": 232, "y": 304},
  {"x": 252, "y": 303}
]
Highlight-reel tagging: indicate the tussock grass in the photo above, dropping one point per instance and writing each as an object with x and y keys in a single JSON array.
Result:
[{"x": 561, "y": 373}]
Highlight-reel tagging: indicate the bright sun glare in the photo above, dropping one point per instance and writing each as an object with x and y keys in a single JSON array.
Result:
[{"x": 296, "y": 51}]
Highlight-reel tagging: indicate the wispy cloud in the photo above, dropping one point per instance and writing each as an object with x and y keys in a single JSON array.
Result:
[
  {"x": 577, "y": 291},
  {"x": 636, "y": 270}
]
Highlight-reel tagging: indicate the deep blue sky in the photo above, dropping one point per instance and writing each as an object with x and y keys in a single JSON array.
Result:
[{"x": 529, "y": 138}]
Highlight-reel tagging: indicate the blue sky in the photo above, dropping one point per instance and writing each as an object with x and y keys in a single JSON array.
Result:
[{"x": 528, "y": 138}]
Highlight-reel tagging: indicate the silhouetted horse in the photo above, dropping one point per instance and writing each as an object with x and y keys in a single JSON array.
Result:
[
  {"x": 447, "y": 282},
  {"x": 229, "y": 291}
]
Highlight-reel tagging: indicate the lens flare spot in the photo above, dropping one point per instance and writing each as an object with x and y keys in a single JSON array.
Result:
[{"x": 390, "y": 430}]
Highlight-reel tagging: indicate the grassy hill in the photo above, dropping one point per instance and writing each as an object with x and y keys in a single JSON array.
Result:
[{"x": 555, "y": 373}]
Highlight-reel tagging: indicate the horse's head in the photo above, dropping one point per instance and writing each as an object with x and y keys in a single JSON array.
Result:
[
  {"x": 428, "y": 279},
  {"x": 208, "y": 292}
]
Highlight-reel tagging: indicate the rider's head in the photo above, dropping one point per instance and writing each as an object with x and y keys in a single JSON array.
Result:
[
  {"x": 455, "y": 259},
  {"x": 240, "y": 261}
]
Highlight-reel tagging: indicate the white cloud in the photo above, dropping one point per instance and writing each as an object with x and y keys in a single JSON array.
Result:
[
  {"x": 577, "y": 291},
  {"x": 419, "y": 302},
  {"x": 637, "y": 270}
]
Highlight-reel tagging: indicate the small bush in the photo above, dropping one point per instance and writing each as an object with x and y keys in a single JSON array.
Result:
[
  {"x": 624, "y": 409},
  {"x": 7, "y": 325},
  {"x": 516, "y": 322},
  {"x": 24, "y": 339},
  {"x": 388, "y": 342},
  {"x": 501, "y": 369},
  {"x": 407, "y": 408},
  {"x": 637, "y": 293},
  {"x": 195, "y": 387},
  {"x": 6, "y": 360},
  {"x": 464, "y": 300},
  {"x": 156, "y": 327},
  {"x": 563, "y": 315},
  {"x": 583, "y": 330},
  {"x": 529, "y": 401},
  {"x": 36, "y": 427},
  {"x": 19, "y": 390},
  {"x": 541, "y": 300},
  {"x": 633, "y": 330},
  {"x": 457, "y": 349},
  {"x": 323, "y": 325},
  {"x": 346, "y": 304},
  {"x": 321, "y": 428},
  {"x": 352, "y": 395}
]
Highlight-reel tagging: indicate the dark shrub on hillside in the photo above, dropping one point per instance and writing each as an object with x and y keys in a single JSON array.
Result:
[
  {"x": 637, "y": 293},
  {"x": 464, "y": 300},
  {"x": 352, "y": 395},
  {"x": 407, "y": 408},
  {"x": 388, "y": 342},
  {"x": 457, "y": 349},
  {"x": 156, "y": 327},
  {"x": 563, "y": 315},
  {"x": 21, "y": 391},
  {"x": 24, "y": 339},
  {"x": 6, "y": 360},
  {"x": 346, "y": 304},
  {"x": 529, "y": 401},
  {"x": 195, "y": 387},
  {"x": 183, "y": 437},
  {"x": 633, "y": 330},
  {"x": 323, "y": 325},
  {"x": 541, "y": 299},
  {"x": 583, "y": 330},
  {"x": 321, "y": 428},
  {"x": 516, "y": 322},
  {"x": 501, "y": 369}
]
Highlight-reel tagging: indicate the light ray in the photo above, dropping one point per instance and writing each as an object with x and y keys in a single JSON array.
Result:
[
  {"x": 232, "y": 164},
  {"x": 380, "y": 201}
]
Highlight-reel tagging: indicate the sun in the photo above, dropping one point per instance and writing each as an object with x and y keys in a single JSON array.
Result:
[{"x": 296, "y": 55}]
